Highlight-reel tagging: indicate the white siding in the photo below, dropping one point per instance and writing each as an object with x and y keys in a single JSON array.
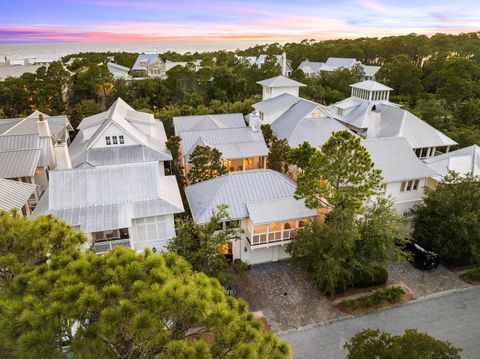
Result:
[
  {"x": 269, "y": 92},
  {"x": 114, "y": 130}
]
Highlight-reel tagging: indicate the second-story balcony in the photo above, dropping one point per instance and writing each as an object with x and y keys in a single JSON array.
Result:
[{"x": 106, "y": 240}]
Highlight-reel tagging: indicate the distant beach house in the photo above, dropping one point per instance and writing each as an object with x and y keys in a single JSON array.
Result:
[
  {"x": 118, "y": 71},
  {"x": 311, "y": 68},
  {"x": 150, "y": 64},
  {"x": 281, "y": 60}
]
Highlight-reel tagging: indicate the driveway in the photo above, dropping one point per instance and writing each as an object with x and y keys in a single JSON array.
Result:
[
  {"x": 422, "y": 283},
  {"x": 285, "y": 296},
  {"x": 452, "y": 316}
]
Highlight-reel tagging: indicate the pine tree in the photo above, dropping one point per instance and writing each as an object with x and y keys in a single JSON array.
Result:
[{"x": 205, "y": 163}]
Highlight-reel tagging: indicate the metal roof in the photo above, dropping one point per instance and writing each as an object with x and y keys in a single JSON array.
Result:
[
  {"x": 118, "y": 154},
  {"x": 237, "y": 189},
  {"x": 14, "y": 194},
  {"x": 19, "y": 163},
  {"x": 151, "y": 59},
  {"x": 277, "y": 103},
  {"x": 396, "y": 159},
  {"x": 109, "y": 197},
  {"x": 280, "y": 81},
  {"x": 371, "y": 85},
  {"x": 118, "y": 67},
  {"x": 397, "y": 122},
  {"x": 232, "y": 142},
  {"x": 310, "y": 67},
  {"x": 27, "y": 142},
  {"x": 370, "y": 70},
  {"x": 207, "y": 122},
  {"x": 7, "y": 123},
  {"x": 279, "y": 210},
  {"x": 463, "y": 161},
  {"x": 336, "y": 62},
  {"x": 57, "y": 124}
]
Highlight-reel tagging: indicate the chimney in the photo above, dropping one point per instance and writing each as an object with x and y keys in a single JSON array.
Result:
[
  {"x": 254, "y": 122},
  {"x": 374, "y": 123},
  {"x": 42, "y": 126},
  {"x": 284, "y": 64},
  {"x": 62, "y": 156}
]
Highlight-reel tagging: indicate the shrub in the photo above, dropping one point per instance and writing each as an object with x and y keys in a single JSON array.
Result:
[
  {"x": 239, "y": 266},
  {"x": 389, "y": 295},
  {"x": 368, "y": 277}
]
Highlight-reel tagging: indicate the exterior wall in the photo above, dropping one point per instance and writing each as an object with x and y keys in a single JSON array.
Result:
[
  {"x": 271, "y": 117},
  {"x": 152, "y": 232},
  {"x": 41, "y": 180},
  {"x": 406, "y": 200},
  {"x": 269, "y": 92},
  {"x": 113, "y": 130}
]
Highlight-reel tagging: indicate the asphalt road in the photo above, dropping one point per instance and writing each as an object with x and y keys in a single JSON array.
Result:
[{"x": 453, "y": 316}]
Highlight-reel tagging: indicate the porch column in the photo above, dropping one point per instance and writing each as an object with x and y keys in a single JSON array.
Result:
[
  {"x": 448, "y": 149},
  {"x": 264, "y": 163},
  {"x": 32, "y": 180},
  {"x": 243, "y": 164}
]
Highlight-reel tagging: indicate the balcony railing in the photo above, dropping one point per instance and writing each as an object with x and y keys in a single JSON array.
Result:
[
  {"x": 272, "y": 237},
  {"x": 103, "y": 246}
]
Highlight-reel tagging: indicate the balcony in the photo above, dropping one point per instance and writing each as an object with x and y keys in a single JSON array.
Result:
[
  {"x": 271, "y": 237},
  {"x": 106, "y": 240}
]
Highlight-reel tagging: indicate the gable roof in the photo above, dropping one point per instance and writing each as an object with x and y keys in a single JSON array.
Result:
[
  {"x": 277, "y": 103},
  {"x": 125, "y": 117},
  {"x": 28, "y": 125},
  {"x": 118, "y": 67},
  {"x": 280, "y": 81},
  {"x": 237, "y": 190},
  {"x": 207, "y": 122},
  {"x": 310, "y": 67},
  {"x": 397, "y": 122},
  {"x": 109, "y": 197},
  {"x": 396, "y": 159},
  {"x": 15, "y": 194},
  {"x": 336, "y": 62},
  {"x": 370, "y": 70},
  {"x": 233, "y": 143},
  {"x": 296, "y": 126},
  {"x": 463, "y": 161}
]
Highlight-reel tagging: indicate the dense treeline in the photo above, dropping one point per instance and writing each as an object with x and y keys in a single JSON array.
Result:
[{"x": 437, "y": 78}]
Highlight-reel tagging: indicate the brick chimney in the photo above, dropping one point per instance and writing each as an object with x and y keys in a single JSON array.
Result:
[{"x": 62, "y": 156}]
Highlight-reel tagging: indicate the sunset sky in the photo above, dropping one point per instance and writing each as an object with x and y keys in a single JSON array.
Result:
[{"x": 43, "y": 21}]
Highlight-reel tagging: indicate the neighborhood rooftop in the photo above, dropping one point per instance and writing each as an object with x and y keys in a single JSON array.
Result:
[
  {"x": 233, "y": 143},
  {"x": 109, "y": 197},
  {"x": 14, "y": 194},
  {"x": 239, "y": 189},
  {"x": 463, "y": 161},
  {"x": 207, "y": 122},
  {"x": 280, "y": 81}
]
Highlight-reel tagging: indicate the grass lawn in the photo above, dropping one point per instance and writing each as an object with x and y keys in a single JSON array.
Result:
[
  {"x": 378, "y": 299},
  {"x": 472, "y": 276}
]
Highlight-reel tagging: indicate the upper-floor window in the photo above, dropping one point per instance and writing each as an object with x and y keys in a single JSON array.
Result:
[
  {"x": 115, "y": 140},
  {"x": 121, "y": 139},
  {"x": 409, "y": 185},
  {"x": 422, "y": 152},
  {"x": 108, "y": 141}
]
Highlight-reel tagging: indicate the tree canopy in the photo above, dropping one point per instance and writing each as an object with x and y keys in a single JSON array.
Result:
[
  {"x": 448, "y": 221},
  {"x": 373, "y": 343},
  {"x": 205, "y": 163}
]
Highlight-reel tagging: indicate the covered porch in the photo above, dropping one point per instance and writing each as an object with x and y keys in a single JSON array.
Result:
[
  {"x": 245, "y": 164},
  {"x": 276, "y": 222}
]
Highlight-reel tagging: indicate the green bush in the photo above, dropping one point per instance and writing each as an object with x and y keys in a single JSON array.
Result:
[
  {"x": 239, "y": 266},
  {"x": 369, "y": 277},
  {"x": 390, "y": 295},
  {"x": 472, "y": 276}
]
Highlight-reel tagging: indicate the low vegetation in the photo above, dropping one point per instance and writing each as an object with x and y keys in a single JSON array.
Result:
[
  {"x": 472, "y": 276},
  {"x": 374, "y": 343},
  {"x": 377, "y": 299}
]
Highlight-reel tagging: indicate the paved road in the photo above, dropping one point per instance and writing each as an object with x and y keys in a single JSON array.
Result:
[{"x": 454, "y": 317}]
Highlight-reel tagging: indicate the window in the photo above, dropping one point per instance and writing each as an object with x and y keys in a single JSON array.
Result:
[
  {"x": 151, "y": 229},
  {"x": 415, "y": 185},
  {"x": 409, "y": 186},
  {"x": 121, "y": 139},
  {"x": 108, "y": 141},
  {"x": 114, "y": 140}
]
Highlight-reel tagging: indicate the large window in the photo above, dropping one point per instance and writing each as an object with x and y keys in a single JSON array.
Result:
[
  {"x": 409, "y": 185},
  {"x": 151, "y": 229},
  {"x": 110, "y": 235}
]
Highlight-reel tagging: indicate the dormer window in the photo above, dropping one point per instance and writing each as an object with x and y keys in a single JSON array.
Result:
[{"x": 108, "y": 141}]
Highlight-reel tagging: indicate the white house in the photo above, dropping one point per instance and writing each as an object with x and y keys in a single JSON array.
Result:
[
  {"x": 242, "y": 148},
  {"x": 463, "y": 161},
  {"x": 369, "y": 113},
  {"x": 29, "y": 148},
  {"x": 151, "y": 64},
  {"x": 312, "y": 68},
  {"x": 261, "y": 202},
  {"x": 279, "y": 85},
  {"x": 118, "y": 71},
  {"x": 404, "y": 175},
  {"x": 281, "y": 60},
  {"x": 119, "y": 135},
  {"x": 130, "y": 205}
]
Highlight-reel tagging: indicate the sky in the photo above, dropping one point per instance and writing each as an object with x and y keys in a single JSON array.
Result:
[{"x": 47, "y": 21}]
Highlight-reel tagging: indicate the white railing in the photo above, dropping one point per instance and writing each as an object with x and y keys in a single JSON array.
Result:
[
  {"x": 103, "y": 246},
  {"x": 272, "y": 237}
]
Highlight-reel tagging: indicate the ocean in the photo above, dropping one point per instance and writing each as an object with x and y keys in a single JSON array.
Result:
[{"x": 19, "y": 51}]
